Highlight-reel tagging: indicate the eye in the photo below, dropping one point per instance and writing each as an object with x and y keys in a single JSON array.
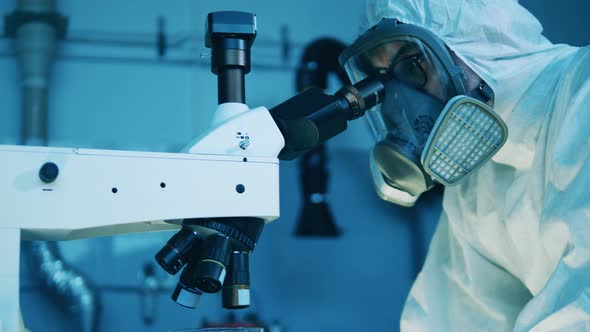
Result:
[
  {"x": 418, "y": 60},
  {"x": 414, "y": 60},
  {"x": 411, "y": 70}
]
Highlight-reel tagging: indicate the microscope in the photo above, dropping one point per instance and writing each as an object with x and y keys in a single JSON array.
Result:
[
  {"x": 220, "y": 191},
  {"x": 216, "y": 250}
]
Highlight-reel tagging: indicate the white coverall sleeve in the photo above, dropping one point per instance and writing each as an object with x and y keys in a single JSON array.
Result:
[
  {"x": 563, "y": 304},
  {"x": 460, "y": 289}
]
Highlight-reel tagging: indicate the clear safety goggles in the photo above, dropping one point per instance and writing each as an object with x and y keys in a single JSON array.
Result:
[{"x": 407, "y": 60}]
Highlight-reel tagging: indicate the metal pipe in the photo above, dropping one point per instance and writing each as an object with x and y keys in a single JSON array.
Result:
[
  {"x": 37, "y": 6},
  {"x": 63, "y": 283},
  {"x": 35, "y": 49},
  {"x": 144, "y": 61},
  {"x": 146, "y": 40},
  {"x": 35, "y": 43}
]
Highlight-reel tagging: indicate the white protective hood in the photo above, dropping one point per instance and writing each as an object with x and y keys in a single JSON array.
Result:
[{"x": 512, "y": 250}]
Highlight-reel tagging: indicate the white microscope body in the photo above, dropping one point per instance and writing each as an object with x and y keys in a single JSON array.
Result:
[{"x": 231, "y": 171}]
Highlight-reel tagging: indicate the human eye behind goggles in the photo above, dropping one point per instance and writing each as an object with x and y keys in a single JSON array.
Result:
[{"x": 411, "y": 70}]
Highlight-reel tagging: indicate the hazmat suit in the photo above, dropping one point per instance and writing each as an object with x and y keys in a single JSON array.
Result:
[{"x": 512, "y": 249}]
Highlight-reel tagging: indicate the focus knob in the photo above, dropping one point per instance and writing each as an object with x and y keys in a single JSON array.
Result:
[{"x": 48, "y": 172}]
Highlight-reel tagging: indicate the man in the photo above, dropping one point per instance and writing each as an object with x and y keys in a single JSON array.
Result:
[{"x": 512, "y": 249}]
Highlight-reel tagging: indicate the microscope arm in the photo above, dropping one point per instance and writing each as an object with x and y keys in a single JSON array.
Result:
[{"x": 94, "y": 192}]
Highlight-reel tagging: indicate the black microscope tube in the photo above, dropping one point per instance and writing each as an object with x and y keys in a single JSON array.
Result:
[
  {"x": 236, "y": 289},
  {"x": 212, "y": 267},
  {"x": 186, "y": 292},
  {"x": 178, "y": 250}
]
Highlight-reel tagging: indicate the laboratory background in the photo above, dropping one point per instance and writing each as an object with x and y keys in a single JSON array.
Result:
[{"x": 136, "y": 75}]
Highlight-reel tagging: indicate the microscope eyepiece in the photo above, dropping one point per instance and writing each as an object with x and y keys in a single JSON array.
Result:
[
  {"x": 236, "y": 288},
  {"x": 178, "y": 250}
]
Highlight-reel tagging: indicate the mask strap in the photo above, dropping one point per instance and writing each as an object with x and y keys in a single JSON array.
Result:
[{"x": 482, "y": 93}]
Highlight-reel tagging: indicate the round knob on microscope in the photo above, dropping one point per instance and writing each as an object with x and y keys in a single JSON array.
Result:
[{"x": 48, "y": 172}]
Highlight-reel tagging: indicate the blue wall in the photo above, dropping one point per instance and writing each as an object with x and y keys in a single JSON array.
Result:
[{"x": 357, "y": 282}]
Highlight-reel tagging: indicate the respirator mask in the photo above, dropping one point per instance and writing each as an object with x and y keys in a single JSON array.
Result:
[{"x": 428, "y": 128}]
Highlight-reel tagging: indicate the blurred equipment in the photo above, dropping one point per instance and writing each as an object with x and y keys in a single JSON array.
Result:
[
  {"x": 160, "y": 47},
  {"x": 36, "y": 27},
  {"x": 149, "y": 294},
  {"x": 64, "y": 284},
  {"x": 319, "y": 59},
  {"x": 249, "y": 323},
  {"x": 162, "y": 40},
  {"x": 315, "y": 218}
]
